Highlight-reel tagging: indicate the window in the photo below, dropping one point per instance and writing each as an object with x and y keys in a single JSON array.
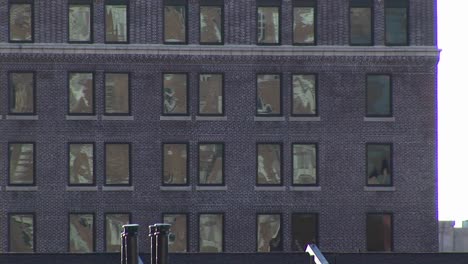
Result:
[
  {"x": 175, "y": 22},
  {"x": 117, "y": 164},
  {"x": 114, "y": 223},
  {"x": 269, "y": 237},
  {"x": 211, "y": 22},
  {"x": 304, "y": 15},
  {"x": 269, "y": 95},
  {"x": 81, "y": 233},
  {"x": 379, "y": 95},
  {"x": 21, "y": 21},
  {"x": 304, "y": 164},
  {"x": 80, "y": 93},
  {"x": 379, "y": 164},
  {"x": 360, "y": 22},
  {"x": 379, "y": 232},
  {"x": 21, "y": 165},
  {"x": 268, "y": 22},
  {"x": 22, "y": 93},
  {"x": 211, "y": 164},
  {"x": 175, "y": 94},
  {"x": 396, "y": 22},
  {"x": 117, "y": 94},
  {"x": 21, "y": 233},
  {"x": 304, "y": 231},
  {"x": 269, "y": 162},
  {"x": 211, "y": 233},
  {"x": 116, "y": 22},
  {"x": 304, "y": 91},
  {"x": 179, "y": 223},
  {"x": 80, "y": 17},
  {"x": 211, "y": 94},
  {"x": 81, "y": 164},
  {"x": 175, "y": 164}
]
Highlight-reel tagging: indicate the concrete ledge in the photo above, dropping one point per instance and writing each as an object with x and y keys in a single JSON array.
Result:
[
  {"x": 379, "y": 119},
  {"x": 22, "y": 188},
  {"x": 81, "y": 117},
  {"x": 22, "y": 117},
  {"x": 117, "y": 188},
  {"x": 175, "y": 118},
  {"x": 270, "y": 188},
  {"x": 269, "y": 118},
  {"x": 211, "y": 118},
  {"x": 305, "y": 188},
  {"x": 82, "y": 188},
  {"x": 118, "y": 118},
  {"x": 304, "y": 118},
  {"x": 211, "y": 188},
  {"x": 176, "y": 188},
  {"x": 379, "y": 188}
]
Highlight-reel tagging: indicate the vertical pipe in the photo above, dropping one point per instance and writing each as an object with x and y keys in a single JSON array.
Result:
[
  {"x": 129, "y": 244},
  {"x": 152, "y": 235},
  {"x": 161, "y": 240}
]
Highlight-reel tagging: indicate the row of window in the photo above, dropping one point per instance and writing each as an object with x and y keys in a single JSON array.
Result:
[
  {"x": 175, "y": 161},
  {"x": 211, "y": 22},
  {"x": 304, "y": 230},
  {"x": 81, "y": 94}
]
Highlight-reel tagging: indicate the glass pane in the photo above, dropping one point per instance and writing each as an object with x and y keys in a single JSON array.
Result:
[
  {"x": 379, "y": 169},
  {"x": 211, "y": 94},
  {"x": 379, "y": 232},
  {"x": 178, "y": 224},
  {"x": 378, "y": 95},
  {"x": 304, "y": 25},
  {"x": 117, "y": 93},
  {"x": 304, "y": 95},
  {"x": 304, "y": 231},
  {"x": 304, "y": 164},
  {"x": 81, "y": 233},
  {"x": 21, "y": 164},
  {"x": 211, "y": 233},
  {"x": 396, "y": 26},
  {"x": 361, "y": 25},
  {"x": 174, "y": 24},
  {"x": 22, "y": 93},
  {"x": 117, "y": 164},
  {"x": 21, "y": 233},
  {"x": 114, "y": 223},
  {"x": 210, "y": 163},
  {"x": 210, "y": 24},
  {"x": 269, "y": 233},
  {"x": 116, "y": 23},
  {"x": 81, "y": 164},
  {"x": 268, "y": 95},
  {"x": 79, "y": 23},
  {"x": 20, "y": 22},
  {"x": 175, "y": 163},
  {"x": 268, "y": 164},
  {"x": 268, "y": 25},
  {"x": 175, "y": 93},
  {"x": 81, "y": 93}
]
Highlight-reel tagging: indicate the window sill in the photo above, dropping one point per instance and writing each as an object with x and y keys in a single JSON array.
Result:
[
  {"x": 270, "y": 188},
  {"x": 211, "y": 188},
  {"x": 118, "y": 118},
  {"x": 304, "y": 118},
  {"x": 379, "y": 119},
  {"x": 80, "y": 117},
  {"x": 175, "y": 118},
  {"x": 305, "y": 188},
  {"x": 379, "y": 188},
  {"x": 269, "y": 118},
  {"x": 22, "y": 117},
  {"x": 211, "y": 118},
  {"x": 117, "y": 188},
  {"x": 176, "y": 188},
  {"x": 81, "y": 188},
  {"x": 22, "y": 188}
]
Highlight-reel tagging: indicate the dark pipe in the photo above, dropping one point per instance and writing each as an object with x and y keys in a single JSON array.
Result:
[
  {"x": 159, "y": 237},
  {"x": 129, "y": 244}
]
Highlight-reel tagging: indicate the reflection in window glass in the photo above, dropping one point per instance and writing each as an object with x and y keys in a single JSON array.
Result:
[
  {"x": 269, "y": 164},
  {"x": 268, "y": 94},
  {"x": 81, "y": 233},
  {"x": 396, "y": 26},
  {"x": 269, "y": 233},
  {"x": 174, "y": 24},
  {"x": 175, "y": 164},
  {"x": 304, "y": 25},
  {"x": 175, "y": 94},
  {"x": 211, "y": 233},
  {"x": 304, "y": 231},
  {"x": 304, "y": 164},
  {"x": 81, "y": 164},
  {"x": 178, "y": 224},
  {"x": 21, "y": 233},
  {"x": 117, "y": 93},
  {"x": 116, "y": 23},
  {"x": 114, "y": 223},
  {"x": 211, "y": 30},
  {"x": 379, "y": 232},
  {"x": 378, "y": 95},
  {"x": 21, "y": 164},
  {"x": 361, "y": 25},
  {"x": 22, "y": 93},
  {"x": 81, "y": 92},
  {"x": 268, "y": 25},
  {"x": 117, "y": 164},
  {"x": 304, "y": 95},
  {"x": 379, "y": 164},
  {"x": 211, "y": 94},
  {"x": 210, "y": 163},
  {"x": 79, "y": 22},
  {"x": 21, "y": 22}
]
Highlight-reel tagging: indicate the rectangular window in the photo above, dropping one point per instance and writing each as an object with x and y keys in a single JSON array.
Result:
[
  {"x": 179, "y": 224},
  {"x": 211, "y": 164},
  {"x": 21, "y": 21},
  {"x": 81, "y": 233},
  {"x": 211, "y": 94},
  {"x": 80, "y": 17},
  {"x": 268, "y": 22},
  {"x": 211, "y": 22},
  {"x": 175, "y": 94},
  {"x": 114, "y": 223},
  {"x": 304, "y": 91},
  {"x": 379, "y": 232},
  {"x": 21, "y": 165},
  {"x": 211, "y": 233},
  {"x": 269, "y": 160},
  {"x": 304, "y": 231},
  {"x": 379, "y": 164},
  {"x": 175, "y": 164},
  {"x": 396, "y": 22},
  {"x": 304, "y": 15},
  {"x": 116, "y": 21},
  {"x": 81, "y": 164},
  {"x": 269, "y": 95},
  {"x": 117, "y": 94},
  {"x": 81, "y": 93},
  {"x": 304, "y": 164},
  {"x": 175, "y": 22},
  {"x": 21, "y": 233},
  {"x": 379, "y": 95},
  {"x": 22, "y": 93},
  {"x": 269, "y": 237},
  {"x": 360, "y": 22},
  {"x": 117, "y": 164}
]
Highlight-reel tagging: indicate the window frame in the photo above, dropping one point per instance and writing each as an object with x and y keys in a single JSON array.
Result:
[
  {"x": 21, "y": 2},
  {"x": 94, "y": 163},
  {"x": 223, "y": 82},
  {"x": 268, "y": 3},
  {"x": 389, "y": 75},
  {"x": 184, "y": 4},
  {"x": 91, "y": 20},
  {"x": 361, "y": 4},
  {"x": 223, "y": 226},
  {"x": 281, "y": 231},
  {"x": 317, "y": 174},
  {"x": 33, "y": 214},
  {"x": 187, "y": 94},
  {"x": 223, "y": 182},
  {"x": 94, "y": 232},
  {"x": 397, "y": 4},
  {"x": 33, "y": 166},
  {"x": 281, "y": 112},
  {"x": 105, "y": 113},
  {"x": 390, "y": 166},
  {"x": 10, "y": 83},
  {"x": 117, "y": 2},
  {"x": 306, "y": 3},
  {"x": 130, "y": 174},
  {"x": 280, "y": 144},
  {"x": 383, "y": 213},
  {"x": 94, "y": 94},
  {"x": 317, "y": 224},
  {"x": 187, "y": 162},
  {"x": 187, "y": 229},
  {"x": 316, "y": 95},
  {"x": 212, "y": 3},
  {"x": 106, "y": 249}
]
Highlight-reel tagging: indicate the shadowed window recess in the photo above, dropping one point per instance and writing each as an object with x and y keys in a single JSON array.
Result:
[
  {"x": 211, "y": 22},
  {"x": 396, "y": 22},
  {"x": 179, "y": 225},
  {"x": 21, "y": 21},
  {"x": 304, "y": 91},
  {"x": 360, "y": 22},
  {"x": 304, "y": 230},
  {"x": 117, "y": 164},
  {"x": 379, "y": 165},
  {"x": 378, "y": 95},
  {"x": 304, "y": 164},
  {"x": 21, "y": 231},
  {"x": 21, "y": 164},
  {"x": 269, "y": 171},
  {"x": 379, "y": 232},
  {"x": 175, "y": 162},
  {"x": 210, "y": 94},
  {"x": 116, "y": 17},
  {"x": 175, "y": 22},
  {"x": 269, "y": 237},
  {"x": 113, "y": 229},
  {"x": 211, "y": 164},
  {"x": 81, "y": 164},
  {"x": 304, "y": 22},
  {"x": 269, "y": 95},
  {"x": 211, "y": 233},
  {"x": 81, "y": 233},
  {"x": 22, "y": 93},
  {"x": 175, "y": 94},
  {"x": 117, "y": 97},
  {"x": 81, "y": 93},
  {"x": 80, "y": 19}
]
